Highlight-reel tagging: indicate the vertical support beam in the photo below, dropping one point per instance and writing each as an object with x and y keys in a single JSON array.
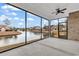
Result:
[
  {"x": 58, "y": 29},
  {"x": 67, "y": 28},
  {"x": 49, "y": 27},
  {"x": 25, "y": 27},
  {"x": 41, "y": 27}
]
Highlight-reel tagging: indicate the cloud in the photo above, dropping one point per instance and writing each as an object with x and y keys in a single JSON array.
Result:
[
  {"x": 6, "y": 11},
  {"x": 22, "y": 19},
  {"x": 9, "y": 7},
  {"x": 9, "y": 18},
  {"x": 13, "y": 13},
  {"x": 31, "y": 19},
  {"x": 45, "y": 22},
  {"x": 16, "y": 18},
  {"x": 20, "y": 24},
  {"x": 54, "y": 22},
  {"x": 3, "y": 17},
  {"x": 10, "y": 13}
]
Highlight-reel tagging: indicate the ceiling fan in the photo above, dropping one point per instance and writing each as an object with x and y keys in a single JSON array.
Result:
[{"x": 58, "y": 10}]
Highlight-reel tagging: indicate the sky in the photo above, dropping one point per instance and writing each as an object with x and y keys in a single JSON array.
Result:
[
  {"x": 55, "y": 22},
  {"x": 15, "y": 16},
  {"x": 33, "y": 20}
]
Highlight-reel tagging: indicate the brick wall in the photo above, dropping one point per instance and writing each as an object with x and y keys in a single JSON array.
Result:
[{"x": 73, "y": 26}]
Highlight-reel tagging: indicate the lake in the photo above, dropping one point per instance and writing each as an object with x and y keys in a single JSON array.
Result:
[{"x": 9, "y": 40}]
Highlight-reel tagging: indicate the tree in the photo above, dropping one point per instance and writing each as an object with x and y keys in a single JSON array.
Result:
[{"x": 7, "y": 22}]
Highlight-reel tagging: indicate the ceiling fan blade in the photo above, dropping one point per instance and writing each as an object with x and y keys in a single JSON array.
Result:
[
  {"x": 64, "y": 9},
  {"x": 62, "y": 12},
  {"x": 58, "y": 10}
]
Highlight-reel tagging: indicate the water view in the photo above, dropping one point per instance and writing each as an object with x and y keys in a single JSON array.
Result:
[
  {"x": 16, "y": 27},
  {"x": 12, "y": 26},
  {"x": 33, "y": 36},
  {"x": 9, "y": 40}
]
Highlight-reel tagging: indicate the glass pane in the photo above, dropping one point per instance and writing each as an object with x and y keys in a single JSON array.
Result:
[
  {"x": 62, "y": 30},
  {"x": 54, "y": 28},
  {"x": 12, "y": 26},
  {"x": 45, "y": 28},
  {"x": 33, "y": 27},
  {"x": 62, "y": 27},
  {"x": 62, "y": 20}
]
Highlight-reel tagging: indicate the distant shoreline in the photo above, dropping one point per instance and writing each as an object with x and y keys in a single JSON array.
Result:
[{"x": 9, "y": 33}]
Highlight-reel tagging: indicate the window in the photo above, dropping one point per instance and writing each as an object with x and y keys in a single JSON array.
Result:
[
  {"x": 59, "y": 28},
  {"x": 17, "y": 25},
  {"x": 63, "y": 28},
  {"x": 12, "y": 26},
  {"x": 45, "y": 28},
  {"x": 33, "y": 27},
  {"x": 54, "y": 28},
  {"x": 62, "y": 20}
]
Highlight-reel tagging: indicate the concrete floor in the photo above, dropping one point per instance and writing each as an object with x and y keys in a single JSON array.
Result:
[{"x": 47, "y": 47}]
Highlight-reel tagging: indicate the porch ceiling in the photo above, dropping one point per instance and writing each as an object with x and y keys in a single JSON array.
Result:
[{"x": 46, "y": 9}]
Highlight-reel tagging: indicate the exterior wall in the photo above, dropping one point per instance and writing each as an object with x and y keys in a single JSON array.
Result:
[
  {"x": 73, "y": 26},
  {"x": 3, "y": 29}
]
